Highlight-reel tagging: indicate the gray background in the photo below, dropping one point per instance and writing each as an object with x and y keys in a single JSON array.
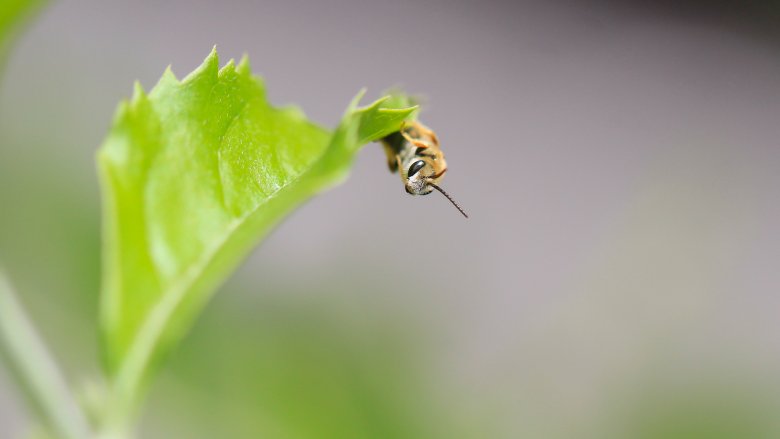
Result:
[{"x": 619, "y": 162}]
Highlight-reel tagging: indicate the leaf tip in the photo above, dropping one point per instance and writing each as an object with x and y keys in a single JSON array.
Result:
[
  {"x": 138, "y": 91},
  {"x": 121, "y": 110},
  {"x": 375, "y": 105},
  {"x": 356, "y": 100},
  {"x": 168, "y": 75},
  {"x": 403, "y": 110},
  {"x": 243, "y": 67},
  {"x": 209, "y": 68},
  {"x": 228, "y": 68}
]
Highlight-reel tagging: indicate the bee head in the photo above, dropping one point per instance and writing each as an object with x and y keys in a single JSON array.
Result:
[
  {"x": 418, "y": 176},
  {"x": 421, "y": 180}
]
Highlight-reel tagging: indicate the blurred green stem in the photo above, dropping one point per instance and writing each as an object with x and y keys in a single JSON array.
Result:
[{"x": 35, "y": 369}]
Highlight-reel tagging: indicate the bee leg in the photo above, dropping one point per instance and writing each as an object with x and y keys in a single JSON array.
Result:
[
  {"x": 418, "y": 130},
  {"x": 392, "y": 161},
  {"x": 413, "y": 141},
  {"x": 431, "y": 135}
]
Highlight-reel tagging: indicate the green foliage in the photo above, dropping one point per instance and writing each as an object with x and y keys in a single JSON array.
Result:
[
  {"x": 711, "y": 410},
  {"x": 13, "y": 14},
  {"x": 301, "y": 366},
  {"x": 193, "y": 176}
]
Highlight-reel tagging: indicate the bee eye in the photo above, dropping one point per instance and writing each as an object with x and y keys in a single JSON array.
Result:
[{"x": 415, "y": 168}]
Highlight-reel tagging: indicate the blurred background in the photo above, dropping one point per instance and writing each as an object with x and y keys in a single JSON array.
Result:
[{"x": 618, "y": 277}]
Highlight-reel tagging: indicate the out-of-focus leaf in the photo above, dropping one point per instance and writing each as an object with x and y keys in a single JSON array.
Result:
[
  {"x": 718, "y": 409},
  {"x": 302, "y": 366},
  {"x": 194, "y": 175},
  {"x": 13, "y": 14}
]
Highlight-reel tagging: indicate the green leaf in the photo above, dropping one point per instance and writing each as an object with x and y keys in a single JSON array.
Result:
[
  {"x": 193, "y": 176},
  {"x": 13, "y": 14}
]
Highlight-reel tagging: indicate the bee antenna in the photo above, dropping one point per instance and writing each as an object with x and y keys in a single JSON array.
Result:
[{"x": 449, "y": 198}]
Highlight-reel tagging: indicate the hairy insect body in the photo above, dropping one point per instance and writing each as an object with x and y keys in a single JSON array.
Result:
[{"x": 415, "y": 153}]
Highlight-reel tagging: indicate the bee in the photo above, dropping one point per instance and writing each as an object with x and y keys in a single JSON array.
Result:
[{"x": 414, "y": 152}]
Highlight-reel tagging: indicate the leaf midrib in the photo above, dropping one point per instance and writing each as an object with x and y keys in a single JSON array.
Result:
[{"x": 143, "y": 344}]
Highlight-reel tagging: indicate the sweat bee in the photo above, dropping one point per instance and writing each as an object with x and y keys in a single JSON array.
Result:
[{"x": 414, "y": 152}]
